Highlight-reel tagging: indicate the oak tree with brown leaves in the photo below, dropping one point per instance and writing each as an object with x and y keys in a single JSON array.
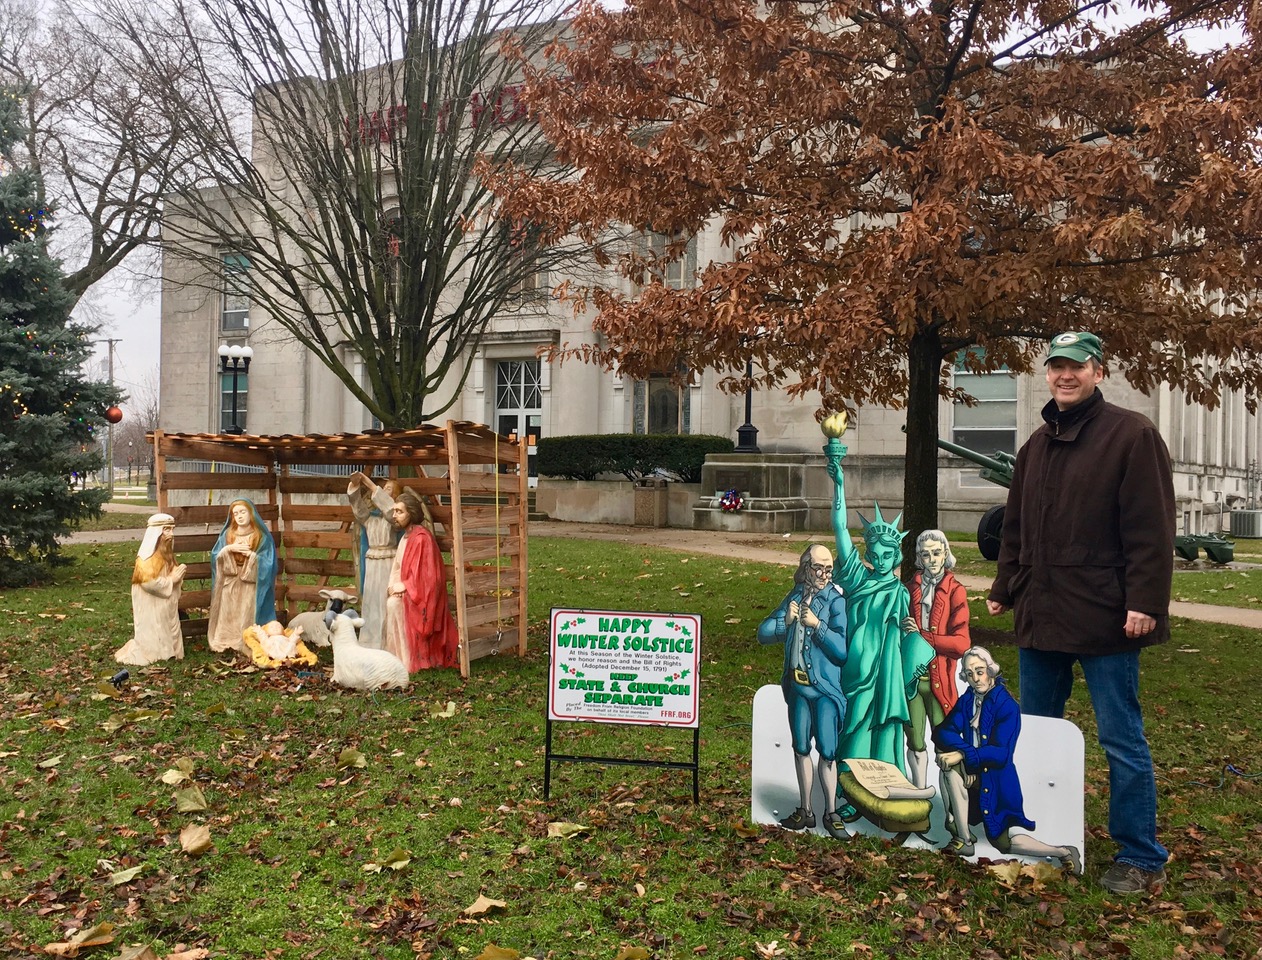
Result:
[{"x": 903, "y": 185}]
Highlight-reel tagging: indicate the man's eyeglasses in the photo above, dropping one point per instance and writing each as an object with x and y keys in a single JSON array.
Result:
[{"x": 821, "y": 570}]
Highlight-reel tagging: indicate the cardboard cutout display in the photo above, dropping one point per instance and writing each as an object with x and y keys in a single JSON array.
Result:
[
  {"x": 886, "y": 655},
  {"x": 872, "y": 680},
  {"x": 939, "y": 611},
  {"x": 811, "y": 624}
]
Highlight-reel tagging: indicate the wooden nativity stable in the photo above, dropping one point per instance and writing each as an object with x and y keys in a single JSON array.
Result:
[{"x": 473, "y": 481}]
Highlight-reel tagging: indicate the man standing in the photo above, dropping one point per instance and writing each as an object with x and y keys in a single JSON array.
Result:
[
  {"x": 939, "y": 613},
  {"x": 811, "y": 623},
  {"x": 1086, "y": 562}
]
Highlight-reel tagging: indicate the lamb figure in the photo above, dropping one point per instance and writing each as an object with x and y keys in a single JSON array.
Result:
[
  {"x": 363, "y": 668},
  {"x": 316, "y": 624}
]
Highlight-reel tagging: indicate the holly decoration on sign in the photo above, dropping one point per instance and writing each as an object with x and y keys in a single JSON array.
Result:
[{"x": 679, "y": 628}]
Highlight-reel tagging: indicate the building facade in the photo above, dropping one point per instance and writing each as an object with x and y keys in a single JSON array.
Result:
[
  {"x": 287, "y": 390},
  {"x": 512, "y": 388}
]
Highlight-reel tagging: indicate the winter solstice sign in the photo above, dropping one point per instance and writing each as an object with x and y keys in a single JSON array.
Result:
[
  {"x": 624, "y": 667},
  {"x": 618, "y": 667}
]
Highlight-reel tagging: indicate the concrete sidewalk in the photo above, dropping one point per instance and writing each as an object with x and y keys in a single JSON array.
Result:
[
  {"x": 762, "y": 547},
  {"x": 766, "y": 548}
]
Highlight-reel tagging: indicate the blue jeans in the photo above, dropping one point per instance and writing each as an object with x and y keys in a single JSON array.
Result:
[{"x": 1047, "y": 678}]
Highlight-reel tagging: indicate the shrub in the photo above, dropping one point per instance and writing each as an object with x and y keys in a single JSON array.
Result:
[{"x": 634, "y": 455}]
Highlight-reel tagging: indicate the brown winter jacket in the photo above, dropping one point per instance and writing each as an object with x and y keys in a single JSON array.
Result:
[{"x": 1088, "y": 532}]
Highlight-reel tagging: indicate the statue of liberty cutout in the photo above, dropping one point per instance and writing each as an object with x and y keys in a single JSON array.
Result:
[{"x": 886, "y": 656}]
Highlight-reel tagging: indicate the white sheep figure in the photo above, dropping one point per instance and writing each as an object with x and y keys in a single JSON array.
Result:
[
  {"x": 315, "y": 623},
  {"x": 363, "y": 668}
]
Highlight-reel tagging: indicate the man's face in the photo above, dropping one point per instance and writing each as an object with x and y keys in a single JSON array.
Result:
[
  {"x": 399, "y": 515},
  {"x": 978, "y": 676},
  {"x": 933, "y": 557},
  {"x": 167, "y": 534},
  {"x": 1072, "y": 382},
  {"x": 821, "y": 568}
]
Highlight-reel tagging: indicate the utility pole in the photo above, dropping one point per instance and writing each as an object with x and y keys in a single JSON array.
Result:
[{"x": 109, "y": 431}]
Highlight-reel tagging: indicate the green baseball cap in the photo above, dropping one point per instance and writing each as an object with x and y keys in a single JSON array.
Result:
[{"x": 1080, "y": 347}]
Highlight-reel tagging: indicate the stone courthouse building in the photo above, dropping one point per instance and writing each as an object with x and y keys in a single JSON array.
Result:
[{"x": 289, "y": 391}]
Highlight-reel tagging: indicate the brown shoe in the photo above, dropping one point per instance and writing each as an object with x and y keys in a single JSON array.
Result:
[{"x": 1128, "y": 879}]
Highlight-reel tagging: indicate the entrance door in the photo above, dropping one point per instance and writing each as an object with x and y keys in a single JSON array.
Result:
[{"x": 519, "y": 406}]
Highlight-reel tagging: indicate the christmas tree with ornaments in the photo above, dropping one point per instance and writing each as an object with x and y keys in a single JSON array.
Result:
[{"x": 50, "y": 414}]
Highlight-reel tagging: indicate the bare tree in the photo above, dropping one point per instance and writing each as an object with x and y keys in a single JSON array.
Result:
[
  {"x": 96, "y": 137},
  {"x": 140, "y": 418},
  {"x": 345, "y": 204}
]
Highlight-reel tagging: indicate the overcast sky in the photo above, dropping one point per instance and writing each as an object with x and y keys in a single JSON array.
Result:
[{"x": 125, "y": 309}]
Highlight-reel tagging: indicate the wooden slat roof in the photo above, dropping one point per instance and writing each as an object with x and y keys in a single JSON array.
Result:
[{"x": 422, "y": 443}]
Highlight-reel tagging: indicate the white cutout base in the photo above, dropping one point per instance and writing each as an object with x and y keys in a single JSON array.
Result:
[{"x": 1049, "y": 759}]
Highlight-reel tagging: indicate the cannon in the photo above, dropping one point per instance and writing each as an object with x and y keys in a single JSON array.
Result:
[{"x": 997, "y": 468}]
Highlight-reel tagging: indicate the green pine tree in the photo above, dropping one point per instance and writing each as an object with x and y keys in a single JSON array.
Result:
[{"x": 49, "y": 414}]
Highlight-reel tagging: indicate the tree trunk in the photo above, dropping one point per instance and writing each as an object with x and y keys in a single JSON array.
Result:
[{"x": 920, "y": 480}]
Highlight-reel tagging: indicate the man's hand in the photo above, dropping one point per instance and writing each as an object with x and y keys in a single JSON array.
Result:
[
  {"x": 809, "y": 620},
  {"x": 792, "y": 614},
  {"x": 950, "y": 758},
  {"x": 1139, "y": 624},
  {"x": 995, "y": 608}
]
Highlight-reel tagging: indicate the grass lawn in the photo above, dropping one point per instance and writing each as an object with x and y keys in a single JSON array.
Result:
[
  {"x": 116, "y": 521},
  {"x": 346, "y": 826},
  {"x": 1222, "y": 586}
]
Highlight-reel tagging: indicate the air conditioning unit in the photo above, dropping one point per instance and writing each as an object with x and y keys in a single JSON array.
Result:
[{"x": 1246, "y": 523}]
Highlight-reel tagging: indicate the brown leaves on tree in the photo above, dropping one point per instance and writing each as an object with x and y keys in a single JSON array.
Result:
[{"x": 893, "y": 188}]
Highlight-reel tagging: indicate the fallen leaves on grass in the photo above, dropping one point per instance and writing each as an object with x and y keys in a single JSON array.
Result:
[
  {"x": 562, "y": 829},
  {"x": 1008, "y": 871},
  {"x": 120, "y": 877},
  {"x": 447, "y": 711},
  {"x": 195, "y": 839},
  {"x": 183, "y": 770},
  {"x": 397, "y": 859},
  {"x": 492, "y": 952},
  {"x": 350, "y": 757},
  {"x": 96, "y": 936},
  {"x": 142, "y": 952},
  {"x": 482, "y": 906},
  {"x": 116, "y": 721},
  {"x": 190, "y": 799}
]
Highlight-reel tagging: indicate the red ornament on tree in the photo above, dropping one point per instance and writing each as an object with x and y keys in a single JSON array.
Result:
[{"x": 113, "y": 414}]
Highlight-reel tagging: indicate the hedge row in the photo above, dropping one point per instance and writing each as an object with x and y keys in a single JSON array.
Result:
[{"x": 634, "y": 455}]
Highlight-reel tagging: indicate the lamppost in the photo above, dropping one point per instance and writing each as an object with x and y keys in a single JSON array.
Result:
[
  {"x": 130, "y": 460},
  {"x": 237, "y": 359},
  {"x": 747, "y": 433}
]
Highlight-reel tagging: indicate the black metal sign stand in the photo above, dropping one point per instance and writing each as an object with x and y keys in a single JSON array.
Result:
[
  {"x": 623, "y": 667},
  {"x": 695, "y": 766}
]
